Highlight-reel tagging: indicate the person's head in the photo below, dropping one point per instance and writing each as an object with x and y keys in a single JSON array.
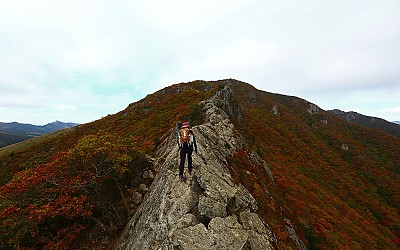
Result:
[{"x": 185, "y": 125}]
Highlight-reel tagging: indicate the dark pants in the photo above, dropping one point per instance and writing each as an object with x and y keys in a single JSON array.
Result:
[{"x": 186, "y": 149}]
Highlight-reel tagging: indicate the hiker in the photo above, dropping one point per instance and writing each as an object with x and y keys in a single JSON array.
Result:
[{"x": 186, "y": 142}]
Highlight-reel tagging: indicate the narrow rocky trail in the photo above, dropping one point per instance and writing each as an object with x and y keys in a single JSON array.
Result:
[{"x": 208, "y": 210}]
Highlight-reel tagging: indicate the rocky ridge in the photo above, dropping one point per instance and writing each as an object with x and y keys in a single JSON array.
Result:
[
  {"x": 368, "y": 121},
  {"x": 208, "y": 210}
]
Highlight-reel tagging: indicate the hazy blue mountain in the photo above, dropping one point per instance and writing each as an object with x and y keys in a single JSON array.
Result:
[
  {"x": 14, "y": 132},
  {"x": 57, "y": 125},
  {"x": 9, "y": 138}
]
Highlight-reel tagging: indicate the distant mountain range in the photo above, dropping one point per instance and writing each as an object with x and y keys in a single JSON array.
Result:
[
  {"x": 392, "y": 128},
  {"x": 14, "y": 132}
]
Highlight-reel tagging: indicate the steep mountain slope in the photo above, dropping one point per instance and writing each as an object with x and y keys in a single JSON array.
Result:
[
  {"x": 14, "y": 132},
  {"x": 80, "y": 186},
  {"x": 273, "y": 170},
  {"x": 338, "y": 181},
  {"x": 368, "y": 121}
]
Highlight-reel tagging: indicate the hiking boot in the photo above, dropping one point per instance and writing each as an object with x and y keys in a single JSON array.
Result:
[
  {"x": 190, "y": 171},
  {"x": 181, "y": 178}
]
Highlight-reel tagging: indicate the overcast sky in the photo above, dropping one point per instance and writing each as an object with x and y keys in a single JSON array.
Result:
[{"x": 80, "y": 60}]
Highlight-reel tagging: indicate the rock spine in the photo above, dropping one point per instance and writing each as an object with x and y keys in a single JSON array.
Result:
[{"x": 208, "y": 210}]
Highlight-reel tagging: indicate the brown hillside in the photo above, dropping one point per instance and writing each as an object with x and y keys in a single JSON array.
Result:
[
  {"x": 337, "y": 182},
  {"x": 76, "y": 186}
]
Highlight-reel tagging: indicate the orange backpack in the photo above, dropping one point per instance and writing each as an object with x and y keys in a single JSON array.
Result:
[{"x": 185, "y": 135}]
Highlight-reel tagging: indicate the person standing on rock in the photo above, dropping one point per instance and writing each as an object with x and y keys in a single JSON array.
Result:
[{"x": 186, "y": 143}]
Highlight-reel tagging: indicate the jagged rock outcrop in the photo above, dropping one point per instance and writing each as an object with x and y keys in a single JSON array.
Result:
[
  {"x": 293, "y": 235},
  {"x": 208, "y": 210},
  {"x": 313, "y": 109},
  {"x": 275, "y": 110}
]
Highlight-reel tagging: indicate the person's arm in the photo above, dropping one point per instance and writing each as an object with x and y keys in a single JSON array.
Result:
[
  {"x": 178, "y": 140},
  {"x": 178, "y": 131},
  {"x": 194, "y": 143}
]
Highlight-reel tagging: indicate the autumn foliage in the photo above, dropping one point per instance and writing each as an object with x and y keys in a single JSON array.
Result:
[
  {"x": 73, "y": 184},
  {"x": 52, "y": 203},
  {"x": 336, "y": 183}
]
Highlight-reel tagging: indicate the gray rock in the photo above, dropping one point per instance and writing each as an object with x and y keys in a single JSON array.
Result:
[
  {"x": 228, "y": 233},
  {"x": 345, "y": 147},
  {"x": 251, "y": 221},
  {"x": 258, "y": 234},
  {"x": 137, "y": 198},
  {"x": 186, "y": 221},
  {"x": 192, "y": 238},
  {"x": 142, "y": 188},
  {"x": 211, "y": 208},
  {"x": 150, "y": 175},
  {"x": 314, "y": 109},
  {"x": 244, "y": 199},
  {"x": 275, "y": 110},
  {"x": 145, "y": 174},
  {"x": 293, "y": 235},
  {"x": 259, "y": 241},
  {"x": 175, "y": 214}
]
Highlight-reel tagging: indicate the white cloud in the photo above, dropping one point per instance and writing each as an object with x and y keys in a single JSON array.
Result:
[
  {"x": 181, "y": 17},
  {"x": 66, "y": 107},
  {"x": 391, "y": 114},
  {"x": 241, "y": 55},
  {"x": 85, "y": 53}
]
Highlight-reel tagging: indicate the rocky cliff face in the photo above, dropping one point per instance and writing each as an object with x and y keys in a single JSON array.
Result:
[{"x": 208, "y": 210}]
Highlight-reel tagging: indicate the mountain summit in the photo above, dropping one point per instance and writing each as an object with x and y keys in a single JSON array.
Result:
[{"x": 273, "y": 171}]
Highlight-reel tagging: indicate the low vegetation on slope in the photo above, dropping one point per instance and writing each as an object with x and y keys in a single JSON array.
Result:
[
  {"x": 338, "y": 182},
  {"x": 75, "y": 187}
]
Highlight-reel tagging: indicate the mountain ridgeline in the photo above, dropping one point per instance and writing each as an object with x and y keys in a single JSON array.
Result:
[
  {"x": 14, "y": 132},
  {"x": 392, "y": 128},
  {"x": 273, "y": 171}
]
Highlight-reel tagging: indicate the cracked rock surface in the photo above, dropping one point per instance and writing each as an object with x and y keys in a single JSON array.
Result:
[{"x": 208, "y": 210}]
